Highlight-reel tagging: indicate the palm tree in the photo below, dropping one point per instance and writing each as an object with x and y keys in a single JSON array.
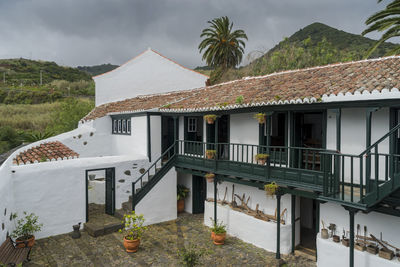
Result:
[
  {"x": 385, "y": 20},
  {"x": 223, "y": 48}
]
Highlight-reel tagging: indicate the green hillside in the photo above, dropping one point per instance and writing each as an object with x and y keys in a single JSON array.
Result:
[
  {"x": 27, "y": 72},
  {"x": 97, "y": 69},
  {"x": 315, "y": 45}
]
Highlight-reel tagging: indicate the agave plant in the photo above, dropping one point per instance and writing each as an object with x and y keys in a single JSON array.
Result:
[{"x": 36, "y": 136}]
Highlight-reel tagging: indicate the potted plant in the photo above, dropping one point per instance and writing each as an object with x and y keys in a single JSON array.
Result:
[
  {"x": 218, "y": 233},
  {"x": 133, "y": 231},
  {"x": 271, "y": 188},
  {"x": 261, "y": 158},
  {"x": 260, "y": 117},
  {"x": 210, "y": 154},
  {"x": 25, "y": 229},
  {"x": 210, "y": 177},
  {"x": 182, "y": 194},
  {"x": 210, "y": 118}
]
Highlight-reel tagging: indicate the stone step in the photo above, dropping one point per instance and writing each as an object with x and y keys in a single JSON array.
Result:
[
  {"x": 98, "y": 229},
  {"x": 127, "y": 206}
]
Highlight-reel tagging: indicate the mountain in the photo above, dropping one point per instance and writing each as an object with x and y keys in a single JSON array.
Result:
[
  {"x": 98, "y": 69},
  {"x": 27, "y": 72},
  {"x": 315, "y": 45}
]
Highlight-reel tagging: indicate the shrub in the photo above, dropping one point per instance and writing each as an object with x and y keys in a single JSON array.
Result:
[{"x": 191, "y": 255}]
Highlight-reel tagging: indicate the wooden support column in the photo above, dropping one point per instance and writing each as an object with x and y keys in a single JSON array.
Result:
[
  {"x": 216, "y": 138},
  {"x": 352, "y": 212},
  {"x": 215, "y": 200},
  {"x": 175, "y": 135},
  {"x": 278, "y": 226},
  {"x": 148, "y": 138},
  {"x": 293, "y": 221},
  {"x": 368, "y": 144}
]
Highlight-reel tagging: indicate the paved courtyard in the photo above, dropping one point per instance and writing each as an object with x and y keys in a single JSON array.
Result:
[{"x": 159, "y": 247}]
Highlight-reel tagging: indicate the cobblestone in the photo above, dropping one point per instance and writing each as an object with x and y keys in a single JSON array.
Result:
[{"x": 159, "y": 247}]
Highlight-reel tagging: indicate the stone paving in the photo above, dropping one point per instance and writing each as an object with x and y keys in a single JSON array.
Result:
[{"x": 159, "y": 247}]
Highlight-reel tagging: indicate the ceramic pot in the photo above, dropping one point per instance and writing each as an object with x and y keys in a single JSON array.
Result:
[
  {"x": 31, "y": 242},
  {"x": 131, "y": 245},
  {"x": 219, "y": 239},
  {"x": 210, "y": 120},
  {"x": 181, "y": 205},
  {"x": 324, "y": 233}
]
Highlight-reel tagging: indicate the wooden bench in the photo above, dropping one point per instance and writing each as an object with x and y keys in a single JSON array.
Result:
[{"x": 10, "y": 255}]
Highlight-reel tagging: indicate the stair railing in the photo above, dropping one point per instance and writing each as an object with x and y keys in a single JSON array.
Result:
[{"x": 167, "y": 156}]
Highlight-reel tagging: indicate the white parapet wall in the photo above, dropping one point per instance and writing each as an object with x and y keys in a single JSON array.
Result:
[
  {"x": 331, "y": 254},
  {"x": 246, "y": 227},
  {"x": 249, "y": 229},
  {"x": 160, "y": 204},
  {"x": 377, "y": 223}
]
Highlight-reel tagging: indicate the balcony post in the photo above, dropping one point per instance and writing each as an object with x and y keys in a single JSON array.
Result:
[
  {"x": 278, "y": 225},
  {"x": 175, "y": 135},
  {"x": 293, "y": 221},
  {"x": 215, "y": 199},
  {"x": 352, "y": 212},
  {"x": 368, "y": 144},
  {"x": 216, "y": 138}
]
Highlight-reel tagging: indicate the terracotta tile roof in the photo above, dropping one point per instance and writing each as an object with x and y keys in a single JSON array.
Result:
[
  {"x": 45, "y": 152},
  {"x": 137, "y": 104},
  {"x": 296, "y": 86}
]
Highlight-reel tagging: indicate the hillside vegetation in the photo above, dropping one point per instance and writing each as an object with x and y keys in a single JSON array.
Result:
[
  {"x": 97, "y": 69},
  {"x": 315, "y": 45}
]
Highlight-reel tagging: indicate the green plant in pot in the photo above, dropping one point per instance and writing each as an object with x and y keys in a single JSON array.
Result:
[
  {"x": 183, "y": 192},
  {"x": 260, "y": 117},
  {"x": 271, "y": 188},
  {"x": 210, "y": 154},
  {"x": 210, "y": 118},
  {"x": 218, "y": 233},
  {"x": 25, "y": 229},
  {"x": 261, "y": 158},
  {"x": 133, "y": 231}
]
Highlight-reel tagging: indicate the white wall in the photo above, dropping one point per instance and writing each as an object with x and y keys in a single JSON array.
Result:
[
  {"x": 375, "y": 222},
  {"x": 97, "y": 192},
  {"x": 185, "y": 179},
  {"x": 249, "y": 229},
  {"x": 243, "y": 129},
  {"x": 155, "y": 130},
  {"x": 7, "y": 206},
  {"x": 160, "y": 204},
  {"x": 55, "y": 191},
  {"x": 134, "y": 143},
  {"x": 148, "y": 73}
]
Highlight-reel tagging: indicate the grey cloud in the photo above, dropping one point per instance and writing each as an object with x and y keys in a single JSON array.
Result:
[{"x": 86, "y": 32}]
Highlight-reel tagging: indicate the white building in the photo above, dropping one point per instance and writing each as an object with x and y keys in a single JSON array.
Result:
[{"x": 320, "y": 132}]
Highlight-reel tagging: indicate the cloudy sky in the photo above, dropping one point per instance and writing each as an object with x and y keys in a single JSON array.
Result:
[{"x": 89, "y": 32}]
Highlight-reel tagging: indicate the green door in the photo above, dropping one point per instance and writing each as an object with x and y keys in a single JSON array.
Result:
[
  {"x": 110, "y": 191},
  {"x": 199, "y": 193}
]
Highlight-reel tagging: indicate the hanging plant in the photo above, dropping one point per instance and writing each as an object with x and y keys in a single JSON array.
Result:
[
  {"x": 261, "y": 158},
  {"x": 260, "y": 117},
  {"x": 210, "y": 154},
  {"x": 271, "y": 188},
  {"x": 210, "y": 118},
  {"x": 210, "y": 177}
]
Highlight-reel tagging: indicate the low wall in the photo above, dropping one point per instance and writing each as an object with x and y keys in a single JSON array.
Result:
[
  {"x": 249, "y": 229},
  {"x": 6, "y": 204},
  {"x": 160, "y": 204},
  {"x": 331, "y": 254}
]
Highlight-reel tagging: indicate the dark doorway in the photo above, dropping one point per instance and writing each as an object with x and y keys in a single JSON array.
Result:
[
  {"x": 223, "y": 136},
  {"x": 309, "y": 132},
  {"x": 308, "y": 219},
  {"x": 100, "y": 182},
  {"x": 199, "y": 194},
  {"x": 167, "y": 132},
  {"x": 194, "y": 134}
]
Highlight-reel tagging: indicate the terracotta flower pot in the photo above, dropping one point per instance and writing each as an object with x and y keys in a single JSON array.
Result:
[
  {"x": 261, "y": 161},
  {"x": 181, "y": 205},
  {"x": 210, "y": 121},
  {"x": 219, "y": 239},
  {"x": 212, "y": 236},
  {"x": 31, "y": 242},
  {"x": 131, "y": 245}
]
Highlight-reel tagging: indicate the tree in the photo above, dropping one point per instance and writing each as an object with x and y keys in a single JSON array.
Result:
[
  {"x": 223, "y": 47},
  {"x": 388, "y": 21}
]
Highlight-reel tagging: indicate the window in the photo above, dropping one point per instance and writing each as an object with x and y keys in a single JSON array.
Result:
[
  {"x": 192, "y": 125},
  {"x": 124, "y": 126},
  {"x": 121, "y": 125}
]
